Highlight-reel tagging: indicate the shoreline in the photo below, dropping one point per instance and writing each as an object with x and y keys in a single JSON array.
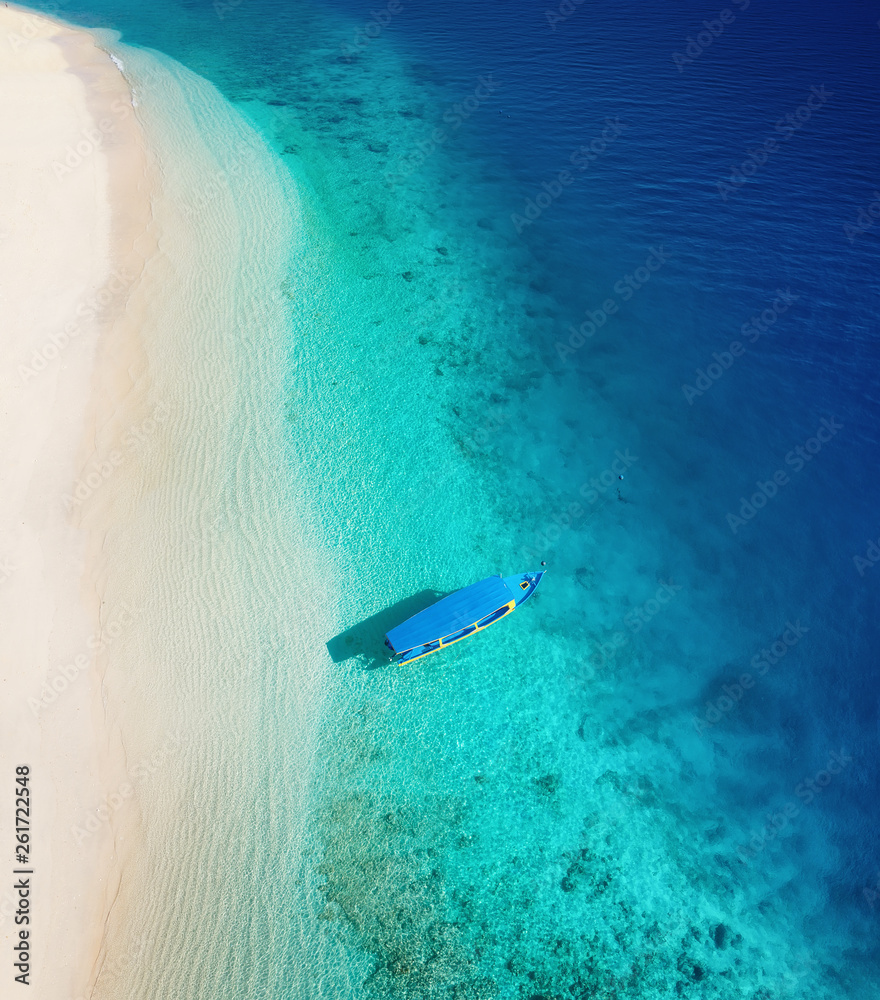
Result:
[
  {"x": 186, "y": 587},
  {"x": 75, "y": 208}
]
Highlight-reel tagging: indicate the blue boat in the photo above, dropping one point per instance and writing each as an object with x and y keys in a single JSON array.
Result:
[{"x": 460, "y": 614}]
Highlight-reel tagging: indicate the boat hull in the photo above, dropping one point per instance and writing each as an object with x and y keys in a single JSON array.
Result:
[{"x": 460, "y": 616}]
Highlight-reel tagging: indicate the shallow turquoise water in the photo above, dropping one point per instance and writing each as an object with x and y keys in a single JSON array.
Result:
[{"x": 579, "y": 804}]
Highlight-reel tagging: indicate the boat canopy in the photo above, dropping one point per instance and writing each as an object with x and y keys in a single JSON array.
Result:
[{"x": 457, "y": 611}]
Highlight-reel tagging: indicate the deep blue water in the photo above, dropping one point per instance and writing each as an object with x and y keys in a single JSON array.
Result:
[{"x": 611, "y": 663}]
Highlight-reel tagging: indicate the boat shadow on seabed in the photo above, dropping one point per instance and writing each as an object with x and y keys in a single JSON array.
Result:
[{"x": 366, "y": 640}]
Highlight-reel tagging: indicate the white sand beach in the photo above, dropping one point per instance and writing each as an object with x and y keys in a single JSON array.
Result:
[
  {"x": 148, "y": 553},
  {"x": 69, "y": 148}
]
